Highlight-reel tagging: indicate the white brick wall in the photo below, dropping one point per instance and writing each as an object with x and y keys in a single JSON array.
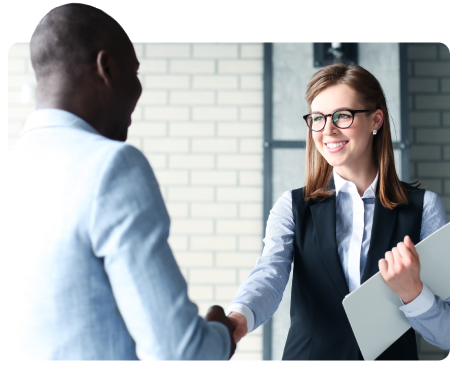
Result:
[{"x": 199, "y": 122}]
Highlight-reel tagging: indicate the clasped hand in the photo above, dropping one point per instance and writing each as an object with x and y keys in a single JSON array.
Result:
[{"x": 400, "y": 270}]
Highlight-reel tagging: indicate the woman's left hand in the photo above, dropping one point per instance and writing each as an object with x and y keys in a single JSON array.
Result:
[{"x": 400, "y": 270}]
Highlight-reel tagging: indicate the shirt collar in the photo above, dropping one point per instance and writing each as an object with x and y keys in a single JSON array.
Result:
[
  {"x": 342, "y": 185},
  {"x": 55, "y": 117}
]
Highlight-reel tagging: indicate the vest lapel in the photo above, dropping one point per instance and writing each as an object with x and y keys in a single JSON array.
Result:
[
  {"x": 323, "y": 214},
  {"x": 383, "y": 226}
]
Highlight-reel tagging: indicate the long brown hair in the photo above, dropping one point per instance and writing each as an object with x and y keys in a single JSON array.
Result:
[{"x": 392, "y": 191}]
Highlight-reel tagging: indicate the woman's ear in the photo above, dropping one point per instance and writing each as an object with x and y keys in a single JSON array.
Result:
[
  {"x": 103, "y": 66},
  {"x": 378, "y": 119}
]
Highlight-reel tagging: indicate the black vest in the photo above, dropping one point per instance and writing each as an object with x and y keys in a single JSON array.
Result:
[{"x": 319, "y": 328}]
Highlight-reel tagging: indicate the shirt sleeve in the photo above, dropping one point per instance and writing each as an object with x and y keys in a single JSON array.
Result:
[
  {"x": 258, "y": 297},
  {"x": 428, "y": 314},
  {"x": 129, "y": 227}
]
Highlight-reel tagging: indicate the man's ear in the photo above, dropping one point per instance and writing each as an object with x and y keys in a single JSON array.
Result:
[{"x": 103, "y": 66}]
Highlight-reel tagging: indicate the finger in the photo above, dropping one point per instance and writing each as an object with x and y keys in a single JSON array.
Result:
[
  {"x": 383, "y": 267},
  {"x": 410, "y": 245},
  {"x": 397, "y": 258},
  {"x": 390, "y": 260},
  {"x": 404, "y": 251}
]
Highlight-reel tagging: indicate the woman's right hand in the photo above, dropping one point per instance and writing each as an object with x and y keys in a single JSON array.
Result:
[{"x": 240, "y": 325}]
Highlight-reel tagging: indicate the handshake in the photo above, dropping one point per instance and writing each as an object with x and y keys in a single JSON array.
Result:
[{"x": 235, "y": 322}]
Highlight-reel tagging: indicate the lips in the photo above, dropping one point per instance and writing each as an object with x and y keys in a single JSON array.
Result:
[{"x": 336, "y": 146}]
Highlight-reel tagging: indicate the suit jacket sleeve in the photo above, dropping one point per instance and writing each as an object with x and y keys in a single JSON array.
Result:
[{"x": 129, "y": 227}]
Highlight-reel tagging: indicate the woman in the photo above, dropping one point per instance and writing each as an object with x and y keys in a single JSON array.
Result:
[{"x": 337, "y": 228}]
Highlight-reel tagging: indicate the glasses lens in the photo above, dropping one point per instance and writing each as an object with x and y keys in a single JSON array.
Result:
[
  {"x": 315, "y": 121},
  {"x": 342, "y": 118}
]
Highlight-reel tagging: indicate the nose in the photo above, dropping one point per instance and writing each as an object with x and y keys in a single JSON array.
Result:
[{"x": 330, "y": 128}]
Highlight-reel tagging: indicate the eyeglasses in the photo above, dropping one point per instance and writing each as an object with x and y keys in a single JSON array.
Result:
[{"x": 341, "y": 118}]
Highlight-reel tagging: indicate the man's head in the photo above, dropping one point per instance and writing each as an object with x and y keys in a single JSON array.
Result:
[{"x": 85, "y": 63}]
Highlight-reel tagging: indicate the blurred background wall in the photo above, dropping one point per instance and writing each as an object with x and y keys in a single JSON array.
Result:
[{"x": 200, "y": 123}]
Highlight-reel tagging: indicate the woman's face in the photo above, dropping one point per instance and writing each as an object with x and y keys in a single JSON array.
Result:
[{"x": 354, "y": 153}]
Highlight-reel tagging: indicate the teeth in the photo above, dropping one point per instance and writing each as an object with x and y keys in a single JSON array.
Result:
[{"x": 335, "y": 145}]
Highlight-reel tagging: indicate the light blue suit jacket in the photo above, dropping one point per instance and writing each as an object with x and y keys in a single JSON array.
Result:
[{"x": 93, "y": 276}]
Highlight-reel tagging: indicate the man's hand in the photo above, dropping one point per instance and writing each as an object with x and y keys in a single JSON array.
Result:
[
  {"x": 240, "y": 325},
  {"x": 400, "y": 270},
  {"x": 217, "y": 314}
]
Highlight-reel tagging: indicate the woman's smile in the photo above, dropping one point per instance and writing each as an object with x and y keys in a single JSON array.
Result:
[{"x": 335, "y": 146}]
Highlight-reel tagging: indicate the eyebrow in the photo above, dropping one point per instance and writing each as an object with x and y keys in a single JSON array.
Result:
[{"x": 333, "y": 111}]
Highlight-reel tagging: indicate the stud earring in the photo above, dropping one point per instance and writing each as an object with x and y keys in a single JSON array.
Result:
[{"x": 374, "y": 132}]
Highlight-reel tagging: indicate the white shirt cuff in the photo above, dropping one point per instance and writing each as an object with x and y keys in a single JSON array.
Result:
[
  {"x": 244, "y": 310},
  {"x": 420, "y": 305}
]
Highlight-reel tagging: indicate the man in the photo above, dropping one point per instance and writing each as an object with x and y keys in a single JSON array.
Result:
[{"x": 93, "y": 274}]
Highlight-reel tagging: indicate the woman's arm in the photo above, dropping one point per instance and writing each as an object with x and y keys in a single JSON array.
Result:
[{"x": 258, "y": 297}]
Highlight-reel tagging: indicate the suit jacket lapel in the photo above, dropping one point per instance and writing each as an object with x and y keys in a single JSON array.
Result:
[
  {"x": 383, "y": 226},
  {"x": 323, "y": 214}
]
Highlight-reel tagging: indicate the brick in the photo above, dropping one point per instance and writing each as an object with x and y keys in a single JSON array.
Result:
[
  {"x": 212, "y": 276},
  {"x": 445, "y": 85},
  {"x": 243, "y": 273},
  {"x": 433, "y": 170},
  {"x": 139, "y": 50},
  {"x": 240, "y": 66},
  {"x": 215, "y": 82},
  {"x": 149, "y": 97},
  {"x": 157, "y": 160},
  {"x": 446, "y": 202},
  {"x": 250, "y": 210},
  {"x": 205, "y": 194},
  {"x": 226, "y": 292},
  {"x": 432, "y": 136},
  {"x": 18, "y": 80},
  {"x": 20, "y": 112},
  {"x": 16, "y": 65},
  {"x": 168, "y": 50},
  {"x": 239, "y": 194},
  {"x": 166, "y": 81},
  {"x": 29, "y": 68},
  {"x": 444, "y": 51},
  {"x": 135, "y": 142},
  {"x": 200, "y": 292},
  {"x": 241, "y": 161},
  {"x": 172, "y": 177},
  {"x": 215, "y": 113},
  {"x": 163, "y": 191},
  {"x": 410, "y": 99},
  {"x": 240, "y": 227},
  {"x": 213, "y": 210},
  {"x": 191, "y": 226},
  {"x": 137, "y": 114},
  {"x": 433, "y": 186},
  {"x": 213, "y": 178},
  {"x": 14, "y": 97},
  {"x": 446, "y": 152},
  {"x": 240, "y": 98},
  {"x": 178, "y": 242},
  {"x": 194, "y": 259},
  {"x": 192, "y": 97},
  {"x": 193, "y": 129},
  {"x": 215, "y": 50},
  {"x": 192, "y": 66},
  {"x": 251, "y": 113},
  {"x": 422, "y": 85},
  {"x": 422, "y": 51},
  {"x": 236, "y": 259},
  {"x": 250, "y": 243},
  {"x": 166, "y": 113},
  {"x": 241, "y": 129},
  {"x": 447, "y": 187},
  {"x": 177, "y": 210},
  {"x": 446, "y": 119},
  {"x": 431, "y": 68},
  {"x": 214, "y": 145},
  {"x": 251, "y": 82},
  {"x": 166, "y": 144},
  {"x": 213, "y": 243},
  {"x": 19, "y": 50},
  {"x": 15, "y": 128},
  {"x": 250, "y": 343},
  {"x": 252, "y": 50},
  {"x": 192, "y": 161},
  {"x": 439, "y": 102},
  {"x": 146, "y": 129},
  {"x": 205, "y": 305},
  {"x": 251, "y": 145},
  {"x": 409, "y": 69},
  {"x": 423, "y": 118},
  {"x": 425, "y": 152},
  {"x": 251, "y": 178},
  {"x": 148, "y": 65}
]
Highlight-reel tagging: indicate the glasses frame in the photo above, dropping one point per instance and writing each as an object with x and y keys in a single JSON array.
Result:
[{"x": 353, "y": 112}]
